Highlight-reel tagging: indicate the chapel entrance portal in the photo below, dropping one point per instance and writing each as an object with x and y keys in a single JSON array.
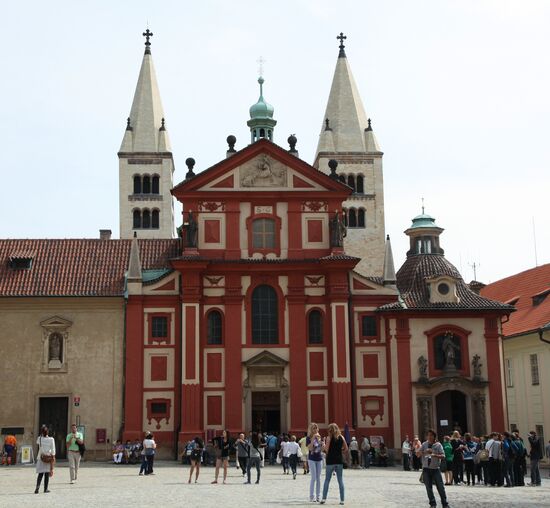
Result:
[
  {"x": 266, "y": 412},
  {"x": 54, "y": 412},
  {"x": 451, "y": 413}
]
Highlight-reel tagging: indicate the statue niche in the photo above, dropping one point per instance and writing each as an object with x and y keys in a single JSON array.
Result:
[{"x": 448, "y": 353}]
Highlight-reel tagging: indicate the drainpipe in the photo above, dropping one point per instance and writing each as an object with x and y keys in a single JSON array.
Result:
[
  {"x": 545, "y": 328},
  {"x": 352, "y": 363}
]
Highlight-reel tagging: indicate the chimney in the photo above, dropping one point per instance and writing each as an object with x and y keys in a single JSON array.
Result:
[{"x": 105, "y": 234}]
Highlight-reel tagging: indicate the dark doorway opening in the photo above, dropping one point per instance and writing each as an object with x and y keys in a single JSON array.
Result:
[
  {"x": 54, "y": 412},
  {"x": 266, "y": 411},
  {"x": 451, "y": 413}
]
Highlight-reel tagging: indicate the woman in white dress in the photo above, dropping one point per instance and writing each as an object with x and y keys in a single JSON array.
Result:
[{"x": 46, "y": 451}]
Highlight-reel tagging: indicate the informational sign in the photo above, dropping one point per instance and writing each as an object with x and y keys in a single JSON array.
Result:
[
  {"x": 26, "y": 455},
  {"x": 444, "y": 423},
  {"x": 100, "y": 436},
  {"x": 76, "y": 401}
]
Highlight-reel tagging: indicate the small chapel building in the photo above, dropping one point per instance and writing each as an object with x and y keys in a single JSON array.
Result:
[{"x": 276, "y": 305}]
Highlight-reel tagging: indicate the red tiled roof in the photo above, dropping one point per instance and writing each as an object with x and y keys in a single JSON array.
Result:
[
  {"x": 523, "y": 286},
  {"x": 77, "y": 267}
]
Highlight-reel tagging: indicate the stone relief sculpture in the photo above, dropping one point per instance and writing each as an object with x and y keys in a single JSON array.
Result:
[
  {"x": 476, "y": 366},
  {"x": 264, "y": 173}
]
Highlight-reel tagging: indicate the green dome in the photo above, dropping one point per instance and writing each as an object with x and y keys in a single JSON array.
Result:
[
  {"x": 261, "y": 109},
  {"x": 423, "y": 221}
]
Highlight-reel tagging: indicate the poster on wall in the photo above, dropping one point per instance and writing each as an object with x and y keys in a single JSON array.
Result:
[{"x": 27, "y": 455}]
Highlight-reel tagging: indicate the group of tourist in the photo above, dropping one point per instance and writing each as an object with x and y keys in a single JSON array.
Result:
[
  {"x": 498, "y": 459},
  {"x": 128, "y": 453}
]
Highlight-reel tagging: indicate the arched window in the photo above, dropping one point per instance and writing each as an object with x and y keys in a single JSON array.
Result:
[
  {"x": 351, "y": 182},
  {"x": 361, "y": 218},
  {"x": 342, "y": 178},
  {"x": 155, "y": 187},
  {"x": 315, "y": 327},
  {"x": 137, "y": 184},
  {"x": 155, "y": 219},
  {"x": 146, "y": 185},
  {"x": 352, "y": 218},
  {"x": 263, "y": 234},
  {"x": 214, "y": 328},
  {"x": 269, "y": 135},
  {"x": 262, "y": 133},
  {"x": 146, "y": 219},
  {"x": 360, "y": 185},
  {"x": 137, "y": 219},
  {"x": 265, "y": 322}
]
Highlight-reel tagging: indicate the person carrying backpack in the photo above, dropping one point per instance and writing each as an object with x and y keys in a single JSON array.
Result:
[{"x": 365, "y": 452}]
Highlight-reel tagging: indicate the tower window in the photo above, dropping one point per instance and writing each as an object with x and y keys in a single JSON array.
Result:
[
  {"x": 361, "y": 218},
  {"x": 146, "y": 219},
  {"x": 424, "y": 245},
  {"x": 351, "y": 182},
  {"x": 342, "y": 178},
  {"x": 155, "y": 219},
  {"x": 269, "y": 135},
  {"x": 137, "y": 219},
  {"x": 214, "y": 328},
  {"x": 263, "y": 234},
  {"x": 315, "y": 327},
  {"x": 262, "y": 133},
  {"x": 155, "y": 186},
  {"x": 360, "y": 185},
  {"x": 265, "y": 323},
  {"x": 137, "y": 184},
  {"x": 534, "y": 363},
  {"x": 146, "y": 189},
  {"x": 352, "y": 218}
]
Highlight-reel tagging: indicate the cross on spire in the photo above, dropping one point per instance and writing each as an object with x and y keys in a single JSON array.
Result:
[
  {"x": 341, "y": 38},
  {"x": 260, "y": 63},
  {"x": 147, "y": 34}
]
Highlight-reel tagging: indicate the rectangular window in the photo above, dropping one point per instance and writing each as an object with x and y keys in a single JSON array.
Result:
[
  {"x": 159, "y": 327},
  {"x": 534, "y": 369},
  {"x": 539, "y": 429},
  {"x": 509, "y": 373},
  {"x": 158, "y": 408},
  {"x": 368, "y": 326},
  {"x": 263, "y": 234}
]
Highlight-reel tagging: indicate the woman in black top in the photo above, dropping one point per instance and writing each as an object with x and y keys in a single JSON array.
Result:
[
  {"x": 334, "y": 447},
  {"x": 221, "y": 445}
]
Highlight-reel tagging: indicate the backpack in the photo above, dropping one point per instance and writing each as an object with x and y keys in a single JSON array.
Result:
[{"x": 365, "y": 446}]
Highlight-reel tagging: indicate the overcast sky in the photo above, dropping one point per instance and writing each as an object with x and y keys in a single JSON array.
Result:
[{"x": 458, "y": 92}]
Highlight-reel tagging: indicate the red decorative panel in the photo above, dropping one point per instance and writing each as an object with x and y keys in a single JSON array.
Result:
[
  {"x": 370, "y": 365},
  {"x": 340, "y": 312},
  {"x": 214, "y": 410},
  {"x": 170, "y": 285},
  {"x": 226, "y": 183},
  {"x": 317, "y": 407},
  {"x": 158, "y": 409},
  {"x": 190, "y": 342},
  {"x": 314, "y": 230},
  {"x": 211, "y": 231},
  {"x": 316, "y": 366},
  {"x": 214, "y": 367},
  {"x": 159, "y": 368},
  {"x": 298, "y": 183},
  {"x": 357, "y": 284}
]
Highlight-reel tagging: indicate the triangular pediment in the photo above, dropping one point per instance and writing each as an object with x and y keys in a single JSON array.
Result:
[
  {"x": 56, "y": 322},
  {"x": 262, "y": 166},
  {"x": 361, "y": 285},
  {"x": 265, "y": 359}
]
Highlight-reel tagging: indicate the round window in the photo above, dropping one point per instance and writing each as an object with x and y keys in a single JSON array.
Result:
[{"x": 443, "y": 288}]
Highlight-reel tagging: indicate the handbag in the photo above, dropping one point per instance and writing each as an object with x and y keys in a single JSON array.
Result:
[
  {"x": 81, "y": 448},
  {"x": 44, "y": 457}
]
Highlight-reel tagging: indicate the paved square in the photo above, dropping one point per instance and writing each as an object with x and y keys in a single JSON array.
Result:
[{"x": 108, "y": 485}]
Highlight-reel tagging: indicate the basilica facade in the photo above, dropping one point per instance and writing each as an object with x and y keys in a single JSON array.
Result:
[{"x": 275, "y": 304}]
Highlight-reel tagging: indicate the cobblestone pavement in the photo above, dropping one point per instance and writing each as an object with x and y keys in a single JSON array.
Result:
[{"x": 109, "y": 485}]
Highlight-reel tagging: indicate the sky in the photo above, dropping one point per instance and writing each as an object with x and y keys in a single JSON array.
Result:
[{"x": 458, "y": 92}]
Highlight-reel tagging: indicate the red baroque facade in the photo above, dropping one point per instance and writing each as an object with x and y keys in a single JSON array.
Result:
[{"x": 262, "y": 322}]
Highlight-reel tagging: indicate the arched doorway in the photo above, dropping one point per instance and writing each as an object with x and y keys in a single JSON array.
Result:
[{"x": 451, "y": 412}]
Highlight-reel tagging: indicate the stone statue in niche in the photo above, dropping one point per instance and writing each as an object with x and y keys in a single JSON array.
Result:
[
  {"x": 337, "y": 231},
  {"x": 191, "y": 228},
  {"x": 55, "y": 345},
  {"x": 264, "y": 174},
  {"x": 422, "y": 368},
  {"x": 450, "y": 348},
  {"x": 476, "y": 366}
]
